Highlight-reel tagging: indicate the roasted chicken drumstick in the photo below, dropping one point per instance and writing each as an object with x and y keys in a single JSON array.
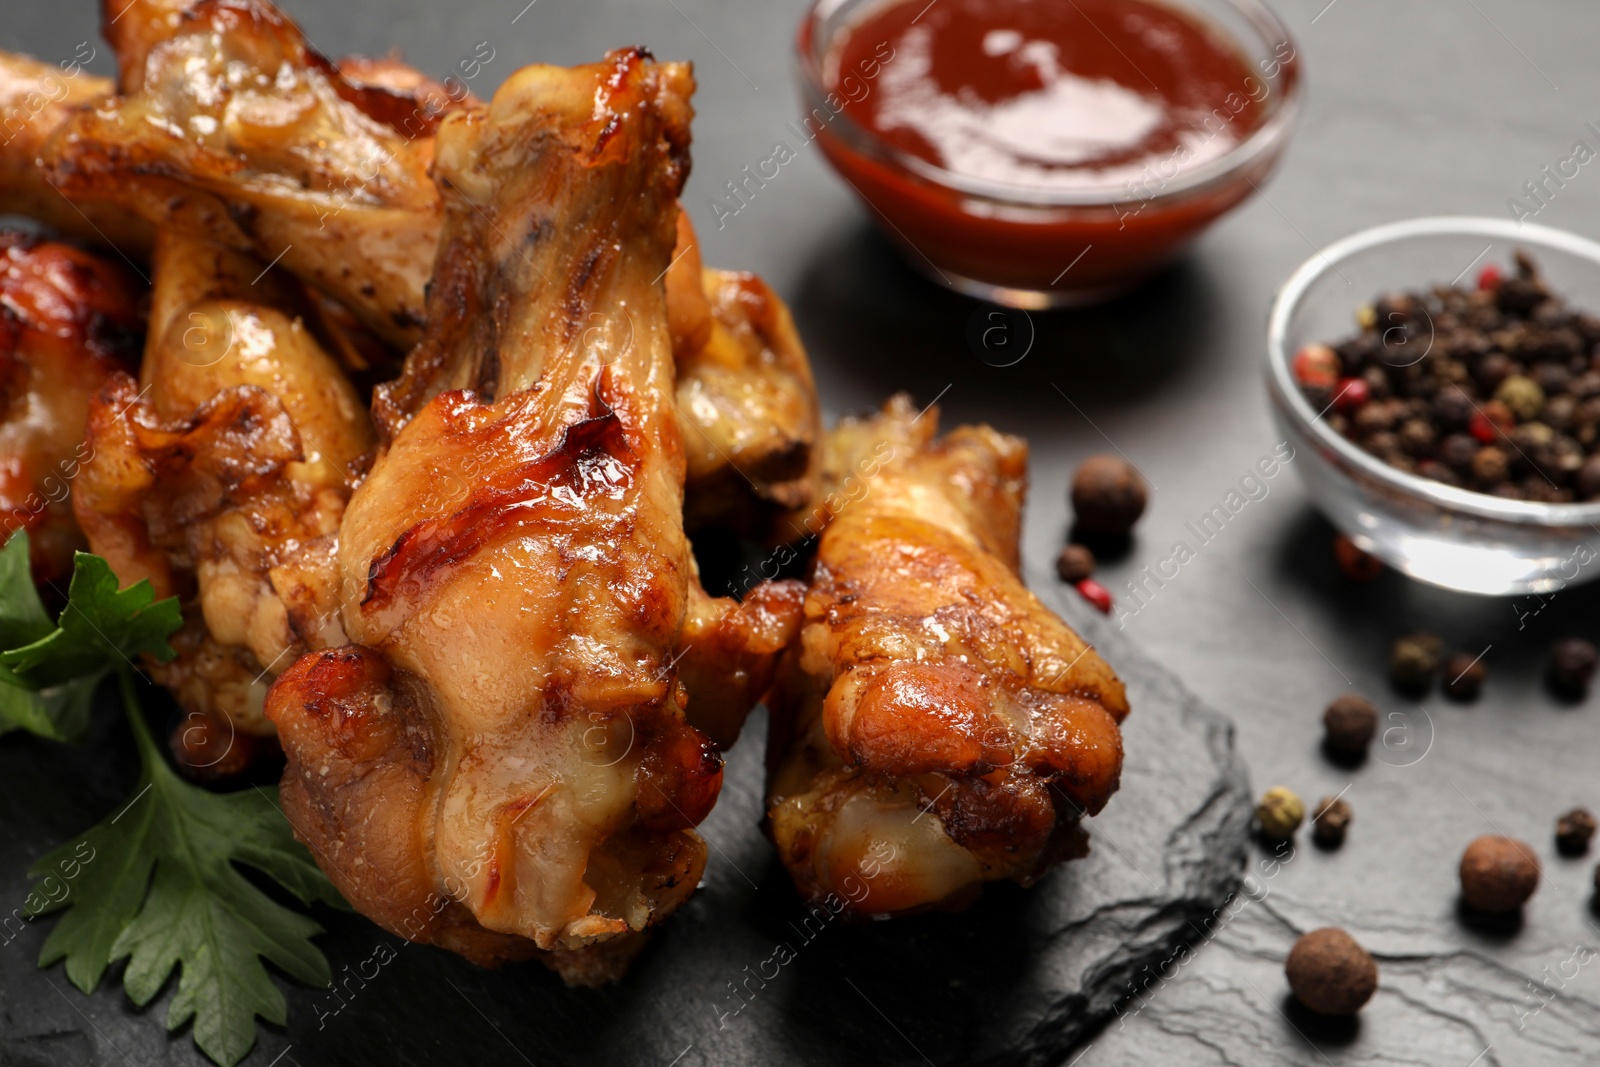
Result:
[
  {"x": 935, "y": 727},
  {"x": 68, "y": 321},
  {"x": 221, "y": 476},
  {"x": 501, "y": 762},
  {"x": 231, "y": 127}
]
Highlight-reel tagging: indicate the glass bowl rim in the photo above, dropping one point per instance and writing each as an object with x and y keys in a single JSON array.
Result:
[
  {"x": 1292, "y": 401},
  {"x": 1267, "y": 138}
]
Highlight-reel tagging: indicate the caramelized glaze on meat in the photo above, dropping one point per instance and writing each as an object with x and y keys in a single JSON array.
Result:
[
  {"x": 232, "y": 128},
  {"x": 752, "y": 426},
  {"x": 935, "y": 727},
  {"x": 222, "y": 476},
  {"x": 68, "y": 320},
  {"x": 502, "y": 763},
  {"x": 36, "y": 99}
]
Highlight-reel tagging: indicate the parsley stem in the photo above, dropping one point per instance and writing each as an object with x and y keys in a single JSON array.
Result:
[{"x": 148, "y": 753}]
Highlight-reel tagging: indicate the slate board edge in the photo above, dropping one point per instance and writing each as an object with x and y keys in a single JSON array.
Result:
[{"x": 1197, "y": 884}]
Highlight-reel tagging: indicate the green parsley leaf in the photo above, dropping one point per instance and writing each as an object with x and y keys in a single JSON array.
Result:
[
  {"x": 48, "y": 673},
  {"x": 100, "y": 624},
  {"x": 60, "y": 713},
  {"x": 157, "y": 883},
  {"x": 22, "y": 617}
]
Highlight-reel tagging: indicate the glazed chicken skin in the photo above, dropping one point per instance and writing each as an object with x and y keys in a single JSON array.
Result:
[
  {"x": 36, "y": 99},
  {"x": 232, "y": 128},
  {"x": 752, "y": 425},
  {"x": 935, "y": 727},
  {"x": 501, "y": 762},
  {"x": 68, "y": 321},
  {"x": 221, "y": 476}
]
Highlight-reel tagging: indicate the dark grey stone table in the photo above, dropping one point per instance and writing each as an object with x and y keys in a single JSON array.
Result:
[{"x": 1412, "y": 109}]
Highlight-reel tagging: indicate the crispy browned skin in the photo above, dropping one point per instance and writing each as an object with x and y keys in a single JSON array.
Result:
[
  {"x": 68, "y": 320},
  {"x": 232, "y": 128},
  {"x": 36, "y": 99},
  {"x": 752, "y": 425},
  {"x": 222, "y": 476},
  {"x": 935, "y": 727},
  {"x": 503, "y": 763}
]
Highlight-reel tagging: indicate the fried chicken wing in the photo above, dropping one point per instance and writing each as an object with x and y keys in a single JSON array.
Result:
[
  {"x": 68, "y": 321},
  {"x": 222, "y": 476},
  {"x": 935, "y": 727},
  {"x": 232, "y": 128},
  {"x": 501, "y": 763},
  {"x": 36, "y": 99},
  {"x": 752, "y": 425}
]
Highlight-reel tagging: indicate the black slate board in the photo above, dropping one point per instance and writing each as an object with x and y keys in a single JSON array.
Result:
[{"x": 1019, "y": 978}]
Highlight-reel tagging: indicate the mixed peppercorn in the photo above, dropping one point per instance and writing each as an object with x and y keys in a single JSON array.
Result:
[
  {"x": 1107, "y": 495},
  {"x": 1494, "y": 388}
]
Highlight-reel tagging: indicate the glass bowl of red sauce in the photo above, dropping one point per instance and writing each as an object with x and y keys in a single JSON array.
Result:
[{"x": 1039, "y": 153}]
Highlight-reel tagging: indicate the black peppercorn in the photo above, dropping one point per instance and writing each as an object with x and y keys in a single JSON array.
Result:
[
  {"x": 1393, "y": 309},
  {"x": 1587, "y": 481},
  {"x": 1349, "y": 722},
  {"x": 1329, "y": 821},
  {"x": 1456, "y": 452},
  {"x": 1559, "y": 412},
  {"x": 1585, "y": 385},
  {"x": 1416, "y": 437},
  {"x": 1490, "y": 466},
  {"x": 1414, "y": 660},
  {"x": 1571, "y": 666},
  {"x": 1512, "y": 367},
  {"x": 1375, "y": 416},
  {"x": 1552, "y": 378},
  {"x": 1493, "y": 369},
  {"x": 1383, "y": 444},
  {"x": 1464, "y": 675},
  {"x": 1075, "y": 564},
  {"x": 1573, "y": 831},
  {"x": 1520, "y": 295},
  {"x": 1108, "y": 496},
  {"x": 1432, "y": 468},
  {"x": 1453, "y": 406}
]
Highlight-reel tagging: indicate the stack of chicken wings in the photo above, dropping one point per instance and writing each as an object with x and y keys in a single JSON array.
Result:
[{"x": 432, "y": 393}]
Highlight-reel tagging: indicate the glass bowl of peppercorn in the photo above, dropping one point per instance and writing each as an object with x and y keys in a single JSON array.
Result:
[{"x": 1439, "y": 380}]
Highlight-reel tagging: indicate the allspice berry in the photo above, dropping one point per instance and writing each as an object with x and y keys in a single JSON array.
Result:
[
  {"x": 1414, "y": 660},
  {"x": 1573, "y": 831},
  {"x": 1075, "y": 564},
  {"x": 1349, "y": 722},
  {"x": 1463, "y": 676},
  {"x": 1108, "y": 496},
  {"x": 1572, "y": 665},
  {"x": 1498, "y": 874},
  {"x": 1330, "y": 973},
  {"x": 1329, "y": 821},
  {"x": 1280, "y": 813}
]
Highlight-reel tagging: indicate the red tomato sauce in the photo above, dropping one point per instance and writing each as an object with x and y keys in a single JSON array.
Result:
[{"x": 1015, "y": 105}]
